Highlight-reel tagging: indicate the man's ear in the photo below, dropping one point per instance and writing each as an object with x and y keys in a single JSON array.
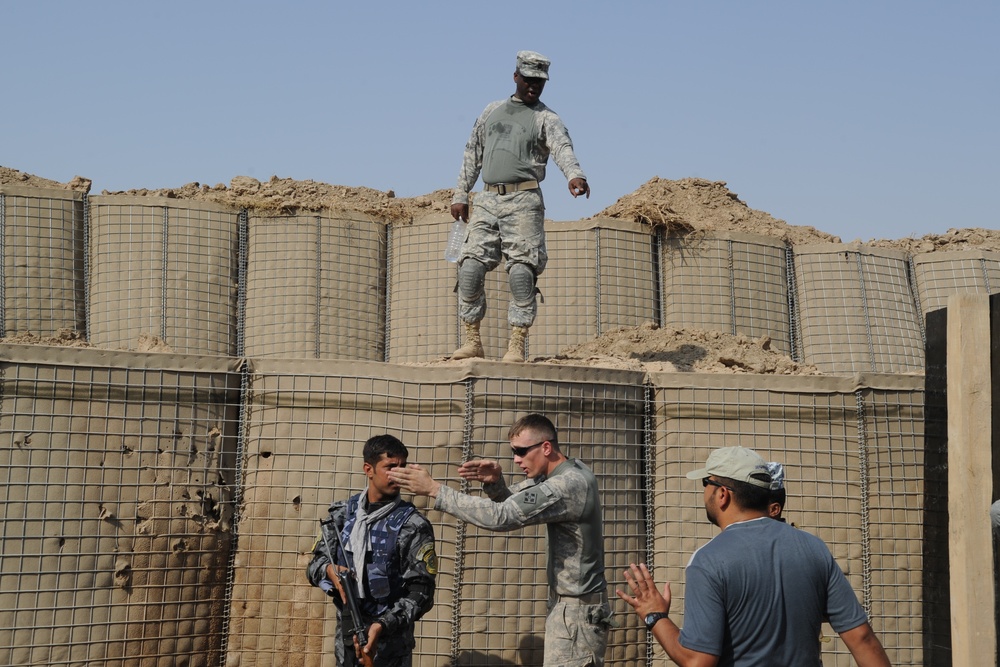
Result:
[{"x": 369, "y": 470}]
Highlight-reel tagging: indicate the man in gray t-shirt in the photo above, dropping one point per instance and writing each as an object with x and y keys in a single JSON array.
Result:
[
  {"x": 511, "y": 143},
  {"x": 757, "y": 593},
  {"x": 561, "y": 493}
]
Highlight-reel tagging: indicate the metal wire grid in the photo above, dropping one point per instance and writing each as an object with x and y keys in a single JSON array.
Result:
[
  {"x": 628, "y": 291},
  {"x": 316, "y": 287},
  {"x": 306, "y": 427},
  {"x": 569, "y": 291},
  {"x": 41, "y": 278},
  {"x": 816, "y": 436},
  {"x": 729, "y": 285},
  {"x": 896, "y": 467},
  {"x": 504, "y": 585},
  {"x": 164, "y": 271},
  {"x": 422, "y": 304},
  {"x": 114, "y": 485},
  {"x": 940, "y": 277},
  {"x": 857, "y": 313}
]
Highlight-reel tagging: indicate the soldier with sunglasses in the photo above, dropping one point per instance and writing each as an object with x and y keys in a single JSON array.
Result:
[{"x": 560, "y": 492}]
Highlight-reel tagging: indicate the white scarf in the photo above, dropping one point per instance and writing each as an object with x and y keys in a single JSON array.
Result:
[{"x": 359, "y": 541}]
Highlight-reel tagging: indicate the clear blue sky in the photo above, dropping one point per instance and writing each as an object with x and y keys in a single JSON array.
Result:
[{"x": 864, "y": 119}]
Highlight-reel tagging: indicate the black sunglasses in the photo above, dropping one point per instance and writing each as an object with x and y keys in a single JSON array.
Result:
[
  {"x": 706, "y": 481},
  {"x": 522, "y": 451}
]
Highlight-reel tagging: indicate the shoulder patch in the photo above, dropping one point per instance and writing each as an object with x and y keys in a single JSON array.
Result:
[{"x": 428, "y": 556}]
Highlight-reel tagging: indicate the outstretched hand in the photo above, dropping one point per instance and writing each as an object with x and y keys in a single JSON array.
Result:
[
  {"x": 481, "y": 470},
  {"x": 579, "y": 186},
  {"x": 416, "y": 480},
  {"x": 645, "y": 598}
]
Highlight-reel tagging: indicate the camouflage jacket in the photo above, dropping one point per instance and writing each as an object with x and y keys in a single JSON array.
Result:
[
  {"x": 567, "y": 501},
  {"x": 549, "y": 128},
  {"x": 415, "y": 561}
]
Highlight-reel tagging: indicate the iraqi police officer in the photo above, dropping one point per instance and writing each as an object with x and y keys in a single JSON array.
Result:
[{"x": 390, "y": 546}]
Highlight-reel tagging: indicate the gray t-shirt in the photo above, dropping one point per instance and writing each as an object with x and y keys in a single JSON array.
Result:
[{"x": 759, "y": 591}]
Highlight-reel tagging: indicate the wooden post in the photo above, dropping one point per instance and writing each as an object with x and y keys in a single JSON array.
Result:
[{"x": 970, "y": 481}]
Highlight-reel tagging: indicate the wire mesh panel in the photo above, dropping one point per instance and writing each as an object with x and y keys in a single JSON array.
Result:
[
  {"x": 811, "y": 425},
  {"x": 857, "y": 311},
  {"x": 115, "y": 489},
  {"x": 600, "y": 277},
  {"x": 894, "y": 431},
  {"x": 600, "y": 420},
  {"x": 41, "y": 281},
  {"x": 422, "y": 303},
  {"x": 163, "y": 268},
  {"x": 316, "y": 286},
  {"x": 729, "y": 282},
  {"x": 306, "y": 424},
  {"x": 941, "y": 274}
]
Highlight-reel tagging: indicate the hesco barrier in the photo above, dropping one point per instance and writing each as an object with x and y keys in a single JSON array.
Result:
[
  {"x": 941, "y": 274},
  {"x": 315, "y": 286},
  {"x": 856, "y": 310},
  {"x": 117, "y": 473},
  {"x": 161, "y": 509},
  {"x": 41, "y": 278},
  {"x": 207, "y": 279},
  {"x": 730, "y": 282},
  {"x": 165, "y": 268}
]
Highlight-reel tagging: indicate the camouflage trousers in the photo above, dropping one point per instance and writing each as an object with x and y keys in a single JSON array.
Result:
[
  {"x": 576, "y": 632},
  {"x": 509, "y": 227}
]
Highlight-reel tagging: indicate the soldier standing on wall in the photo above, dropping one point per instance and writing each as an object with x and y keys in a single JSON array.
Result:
[{"x": 511, "y": 142}]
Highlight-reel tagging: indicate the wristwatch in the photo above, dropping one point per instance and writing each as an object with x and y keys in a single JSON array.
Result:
[{"x": 652, "y": 619}]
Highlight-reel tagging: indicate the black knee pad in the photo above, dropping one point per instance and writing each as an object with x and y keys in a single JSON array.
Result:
[
  {"x": 471, "y": 279},
  {"x": 521, "y": 278}
]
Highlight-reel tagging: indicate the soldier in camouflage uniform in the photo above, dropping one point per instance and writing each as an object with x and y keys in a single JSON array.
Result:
[
  {"x": 510, "y": 144},
  {"x": 391, "y": 547},
  {"x": 561, "y": 493}
]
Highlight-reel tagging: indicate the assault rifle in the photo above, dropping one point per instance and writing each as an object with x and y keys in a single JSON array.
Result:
[{"x": 348, "y": 582}]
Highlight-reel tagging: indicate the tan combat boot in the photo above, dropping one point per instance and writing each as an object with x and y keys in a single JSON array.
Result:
[
  {"x": 473, "y": 343},
  {"x": 515, "y": 349}
]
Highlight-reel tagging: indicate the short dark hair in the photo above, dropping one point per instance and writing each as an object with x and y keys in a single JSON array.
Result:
[
  {"x": 377, "y": 445},
  {"x": 747, "y": 495},
  {"x": 535, "y": 422}
]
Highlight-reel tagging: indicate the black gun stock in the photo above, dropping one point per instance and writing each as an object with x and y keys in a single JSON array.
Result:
[{"x": 348, "y": 581}]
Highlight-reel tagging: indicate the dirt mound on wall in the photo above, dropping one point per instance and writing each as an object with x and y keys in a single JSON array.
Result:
[
  {"x": 697, "y": 205},
  {"x": 14, "y": 177},
  {"x": 650, "y": 348},
  {"x": 975, "y": 238},
  {"x": 286, "y": 195}
]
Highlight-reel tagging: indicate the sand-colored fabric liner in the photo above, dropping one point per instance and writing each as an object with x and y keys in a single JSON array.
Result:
[
  {"x": 316, "y": 286},
  {"x": 167, "y": 446},
  {"x": 163, "y": 268}
]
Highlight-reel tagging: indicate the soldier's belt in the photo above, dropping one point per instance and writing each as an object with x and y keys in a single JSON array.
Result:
[
  {"x": 588, "y": 598},
  {"x": 505, "y": 188}
]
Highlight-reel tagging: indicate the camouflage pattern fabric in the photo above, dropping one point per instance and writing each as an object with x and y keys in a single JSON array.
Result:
[
  {"x": 513, "y": 225},
  {"x": 576, "y": 633},
  {"x": 555, "y": 142},
  {"x": 417, "y": 566},
  {"x": 567, "y": 501}
]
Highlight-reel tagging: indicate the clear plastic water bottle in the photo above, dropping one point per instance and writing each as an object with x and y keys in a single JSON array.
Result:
[{"x": 456, "y": 237}]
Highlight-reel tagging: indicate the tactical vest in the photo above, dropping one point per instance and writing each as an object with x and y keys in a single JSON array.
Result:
[{"x": 384, "y": 575}]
